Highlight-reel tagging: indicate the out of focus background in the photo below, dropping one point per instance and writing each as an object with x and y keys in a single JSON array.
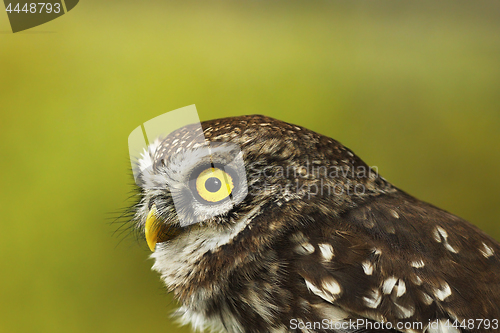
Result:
[{"x": 412, "y": 87}]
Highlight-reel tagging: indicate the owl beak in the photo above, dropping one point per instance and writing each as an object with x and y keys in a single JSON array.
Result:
[
  {"x": 152, "y": 228},
  {"x": 156, "y": 231}
]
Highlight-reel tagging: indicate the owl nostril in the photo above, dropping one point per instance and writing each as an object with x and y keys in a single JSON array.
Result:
[{"x": 213, "y": 184}]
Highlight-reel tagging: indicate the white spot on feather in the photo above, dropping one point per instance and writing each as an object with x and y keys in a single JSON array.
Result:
[
  {"x": 486, "y": 251},
  {"x": 441, "y": 235},
  {"x": 298, "y": 237},
  {"x": 418, "y": 264},
  {"x": 389, "y": 284},
  {"x": 329, "y": 291},
  {"x": 373, "y": 299},
  {"x": 394, "y": 214},
  {"x": 390, "y": 229},
  {"x": 450, "y": 248},
  {"x": 304, "y": 248},
  {"x": 442, "y": 232},
  {"x": 415, "y": 279},
  {"x": 443, "y": 292},
  {"x": 367, "y": 267},
  {"x": 405, "y": 312},
  {"x": 326, "y": 251},
  {"x": 400, "y": 288},
  {"x": 332, "y": 286},
  {"x": 426, "y": 299},
  {"x": 436, "y": 235}
]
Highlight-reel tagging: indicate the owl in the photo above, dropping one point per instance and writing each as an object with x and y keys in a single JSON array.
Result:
[{"x": 265, "y": 226}]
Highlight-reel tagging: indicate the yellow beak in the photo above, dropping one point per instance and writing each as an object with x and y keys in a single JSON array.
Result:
[{"x": 152, "y": 229}]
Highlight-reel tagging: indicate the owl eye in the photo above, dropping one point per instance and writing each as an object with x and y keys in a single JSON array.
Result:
[{"x": 214, "y": 185}]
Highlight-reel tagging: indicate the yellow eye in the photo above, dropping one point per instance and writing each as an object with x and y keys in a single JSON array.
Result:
[{"x": 214, "y": 184}]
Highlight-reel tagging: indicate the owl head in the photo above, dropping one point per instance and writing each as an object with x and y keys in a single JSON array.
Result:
[{"x": 223, "y": 174}]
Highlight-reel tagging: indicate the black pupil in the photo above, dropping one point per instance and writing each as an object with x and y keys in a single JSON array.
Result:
[{"x": 213, "y": 184}]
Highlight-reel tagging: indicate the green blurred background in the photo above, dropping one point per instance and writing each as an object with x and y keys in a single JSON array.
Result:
[{"x": 411, "y": 87}]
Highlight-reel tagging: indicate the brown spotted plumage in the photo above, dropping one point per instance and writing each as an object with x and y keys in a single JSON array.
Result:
[{"x": 319, "y": 238}]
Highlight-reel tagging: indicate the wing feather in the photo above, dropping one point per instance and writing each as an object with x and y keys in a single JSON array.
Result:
[{"x": 397, "y": 259}]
